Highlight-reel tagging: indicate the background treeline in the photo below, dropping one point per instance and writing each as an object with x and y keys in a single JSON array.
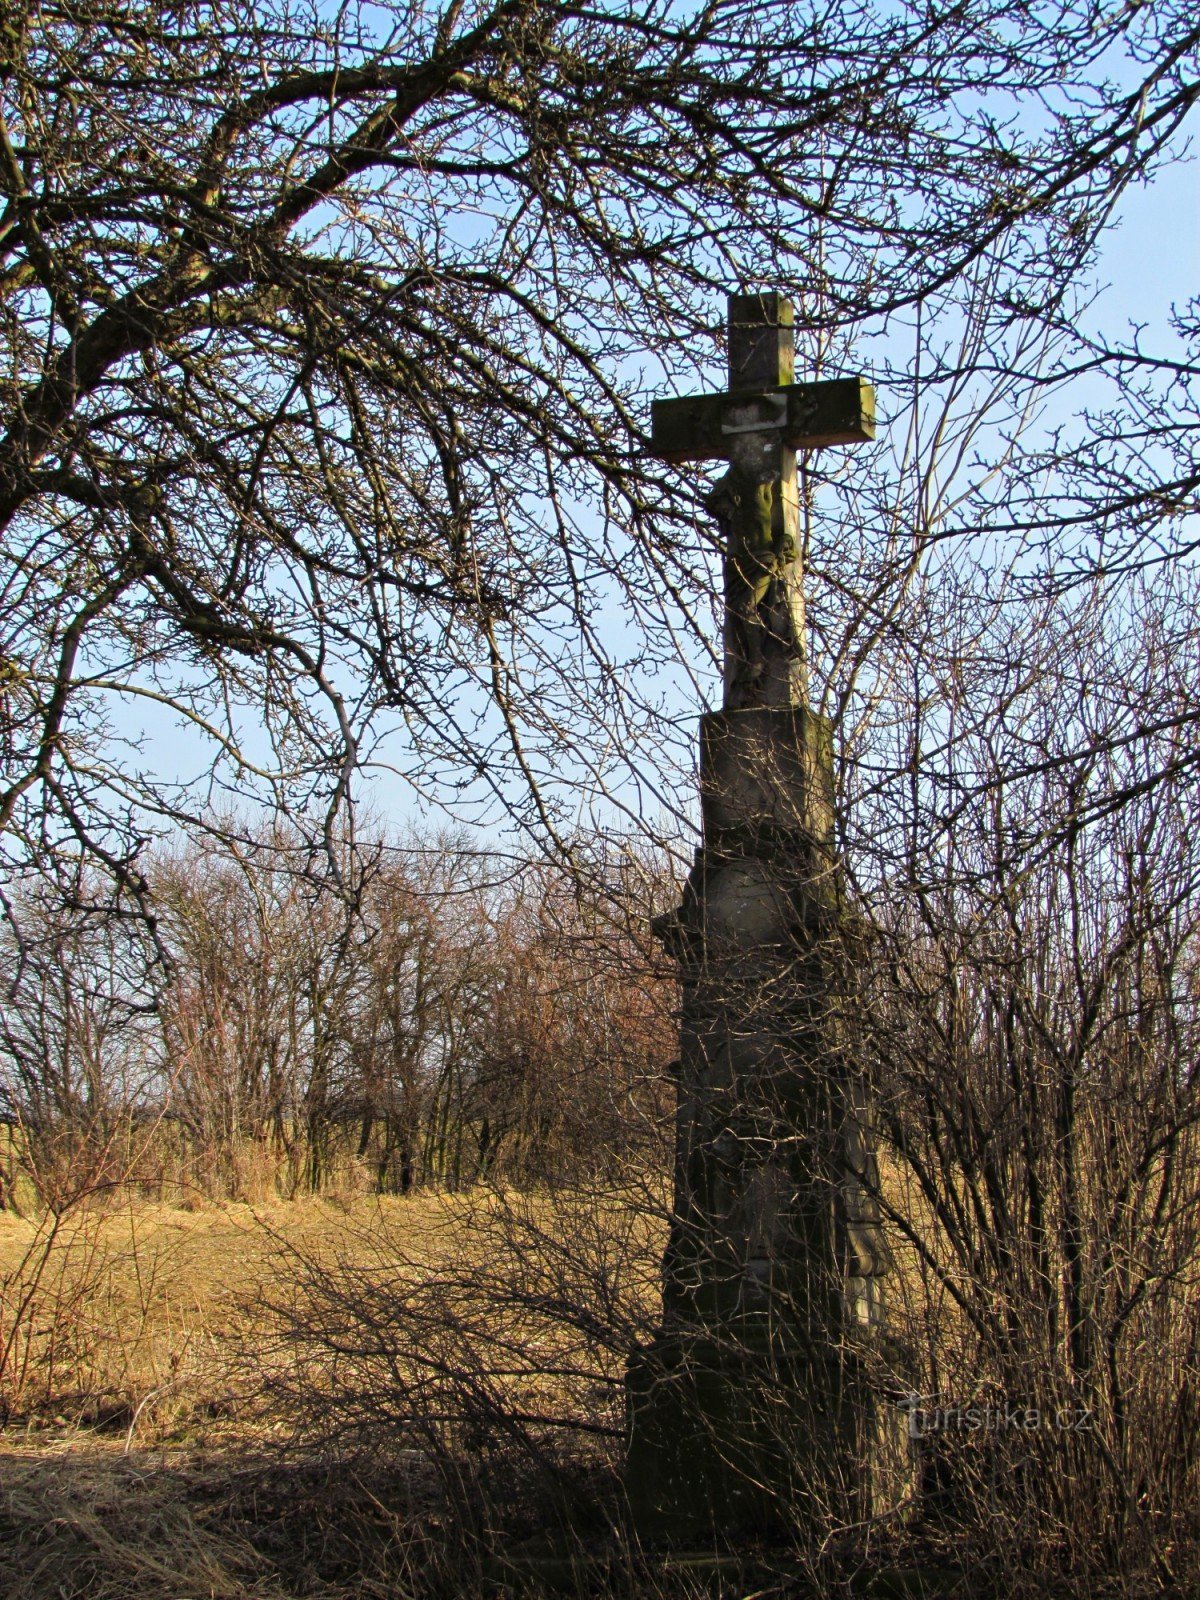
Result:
[{"x": 455, "y": 1015}]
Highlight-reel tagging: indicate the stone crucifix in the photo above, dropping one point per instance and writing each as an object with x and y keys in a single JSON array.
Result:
[
  {"x": 749, "y": 1411},
  {"x": 758, "y": 426}
]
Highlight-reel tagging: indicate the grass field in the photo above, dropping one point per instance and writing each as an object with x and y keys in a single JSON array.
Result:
[
  {"x": 138, "y": 1459},
  {"x": 353, "y": 1397},
  {"x": 142, "y": 1308}
]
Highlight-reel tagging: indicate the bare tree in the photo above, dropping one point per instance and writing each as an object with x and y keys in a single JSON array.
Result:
[
  {"x": 325, "y": 339},
  {"x": 470, "y": 1015},
  {"x": 80, "y": 1056},
  {"x": 258, "y": 1019}
]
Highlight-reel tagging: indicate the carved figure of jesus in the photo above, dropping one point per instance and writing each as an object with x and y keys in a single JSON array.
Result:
[
  {"x": 757, "y": 426},
  {"x": 759, "y": 550}
]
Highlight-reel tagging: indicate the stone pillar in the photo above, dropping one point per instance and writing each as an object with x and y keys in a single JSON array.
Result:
[{"x": 750, "y": 1413}]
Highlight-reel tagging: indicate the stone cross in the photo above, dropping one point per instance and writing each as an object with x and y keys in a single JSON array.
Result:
[
  {"x": 749, "y": 1411},
  {"x": 757, "y": 426}
]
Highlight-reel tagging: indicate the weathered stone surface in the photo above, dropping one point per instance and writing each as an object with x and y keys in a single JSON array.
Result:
[
  {"x": 762, "y": 340},
  {"x": 768, "y": 774},
  {"x": 751, "y": 1412},
  {"x": 804, "y": 416},
  {"x": 749, "y": 1438}
]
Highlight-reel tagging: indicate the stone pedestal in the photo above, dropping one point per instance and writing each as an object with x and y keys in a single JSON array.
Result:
[{"x": 751, "y": 1411}]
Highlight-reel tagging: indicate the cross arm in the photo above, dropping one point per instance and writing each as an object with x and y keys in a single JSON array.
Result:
[{"x": 804, "y": 415}]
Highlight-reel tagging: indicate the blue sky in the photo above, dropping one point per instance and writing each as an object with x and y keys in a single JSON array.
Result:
[{"x": 1150, "y": 260}]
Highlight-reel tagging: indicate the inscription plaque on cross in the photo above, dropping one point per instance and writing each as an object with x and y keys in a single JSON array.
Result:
[
  {"x": 758, "y": 426},
  {"x": 748, "y": 1412}
]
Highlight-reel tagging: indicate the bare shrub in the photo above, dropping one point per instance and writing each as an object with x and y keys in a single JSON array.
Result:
[
  {"x": 1031, "y": 1018},
  {"x": 495, "y": 1374}
]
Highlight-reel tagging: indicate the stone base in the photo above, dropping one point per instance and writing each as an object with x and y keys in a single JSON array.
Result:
[{"x": 732, "y": 1442}]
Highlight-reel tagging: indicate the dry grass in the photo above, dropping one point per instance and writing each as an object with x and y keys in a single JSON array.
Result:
[
  {"x": 76, "y": 1520},
  {"x": 136, "y": 1461},
  {"x": 221, "y": 1401},
  {"x": 332, "y": 1398},
  {"x": 85, "y": 1518},
  {"x": 186, "y": 1421},
  {"x": 133, "y": 1316}
]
